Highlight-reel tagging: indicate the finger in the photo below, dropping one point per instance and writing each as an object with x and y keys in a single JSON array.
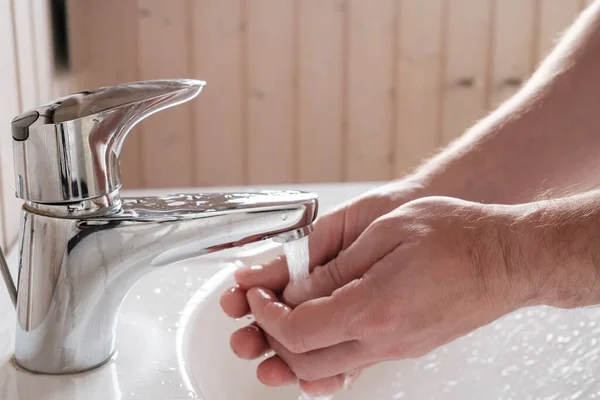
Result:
[
  {"x": 234, "y": 303},
  {"x": 323, "y": 363},
  {"x": 370, "y": 247},
  {"x": 329, "y": 386},
  {"x": 272, "y": 275},
  {"x": 314, "y": 324},
  {"x": 327, "y": 238},
  {"x": 322, "y": 244},
  {"x": 274, "y": 372},
  {"x": 249, "y": 342},
  {"x": 323, "y": 387}
]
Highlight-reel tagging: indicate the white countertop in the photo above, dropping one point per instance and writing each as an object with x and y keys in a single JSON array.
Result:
[{"x": 537, "y": 353}]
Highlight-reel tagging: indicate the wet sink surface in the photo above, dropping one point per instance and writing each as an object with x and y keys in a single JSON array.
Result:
[
  {"x": 537, "y": 353},
  {"x": 173, "y": 344}
]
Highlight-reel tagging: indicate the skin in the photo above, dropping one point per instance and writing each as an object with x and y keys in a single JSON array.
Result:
[{"x": 458, "y": 243}]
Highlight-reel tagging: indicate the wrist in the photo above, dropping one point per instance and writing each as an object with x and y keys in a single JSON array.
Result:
[
  {"x": 508, "y": 272},
  {"x": 555, "y": 241}
]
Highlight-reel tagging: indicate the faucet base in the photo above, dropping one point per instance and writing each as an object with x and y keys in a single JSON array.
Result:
[{"x": 79, "y": 371}]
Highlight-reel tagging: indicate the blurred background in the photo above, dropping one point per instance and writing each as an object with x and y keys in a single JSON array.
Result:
[{"x": 297, "y": 90}]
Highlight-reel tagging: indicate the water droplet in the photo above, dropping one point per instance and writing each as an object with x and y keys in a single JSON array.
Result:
[
  {"x": 430, "y": 366},
  {"x": 165, "y": 369},
  {"x": 283, "y": 217},
  {"x": 549, "y": 337},
  {"x": 563, "y": 339}
]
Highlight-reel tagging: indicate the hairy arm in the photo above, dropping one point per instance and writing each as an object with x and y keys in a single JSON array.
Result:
[
  {"x": 546, "y": 136},
  {"x": 558, "y": 242}
]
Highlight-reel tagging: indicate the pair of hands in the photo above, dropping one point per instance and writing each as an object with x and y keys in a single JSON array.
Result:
[{"x": 392, "y": 277}]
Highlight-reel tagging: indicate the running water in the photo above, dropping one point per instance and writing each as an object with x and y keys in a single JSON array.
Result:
[{"x": 296, "y": 253}]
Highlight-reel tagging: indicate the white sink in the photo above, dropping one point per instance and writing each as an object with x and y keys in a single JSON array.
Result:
[
  {"x": 537, "y": 353},
  {"x": 173, "y": 344}
]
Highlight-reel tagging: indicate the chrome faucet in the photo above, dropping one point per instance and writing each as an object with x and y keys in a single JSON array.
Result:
[{"x": 82, "y": 246}]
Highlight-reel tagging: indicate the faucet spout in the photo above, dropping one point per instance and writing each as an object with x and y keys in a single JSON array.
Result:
[{"x": 75, "y": 272}]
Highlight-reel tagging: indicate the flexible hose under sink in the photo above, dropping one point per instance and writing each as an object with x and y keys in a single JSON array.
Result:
[{"x": 10, "y": 284}]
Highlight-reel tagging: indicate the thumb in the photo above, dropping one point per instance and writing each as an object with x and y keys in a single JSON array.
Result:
[{"x": 350, "y": 264}]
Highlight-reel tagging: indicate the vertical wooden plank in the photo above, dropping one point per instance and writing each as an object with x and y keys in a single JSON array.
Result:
[
  {"x": 25, "y": 54},
  {"x": 9, "y": 108},
  {"x": 555, "y": 17},
  {"x": 164, "y": 52},
  {"x": 108, "y": 55},
  {"x": 42, "y": 39},
  {"x": 370, "y": 89},
  {"x": 270, "y": 51},
  {"x": 419, "y": 68},
  {"x": 320, "y": 86},
  {"x": 514, "y": 22},
  {"x": 217, "y": 33},
  {"x": 467, "y": 50}
]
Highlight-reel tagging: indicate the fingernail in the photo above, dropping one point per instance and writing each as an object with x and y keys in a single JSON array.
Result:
[
  {"x": 245, "y": 273},
  {"x": 262, "y": 293}
]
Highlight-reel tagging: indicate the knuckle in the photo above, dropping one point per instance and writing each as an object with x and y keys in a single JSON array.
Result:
[
  {"x": 382, "y": 224},
  {"x": 300, "y": 367},
  {"x": 335, "y": 273},
  {"x": 294, "y": 343},
  {"x": 381, "y": 322}
]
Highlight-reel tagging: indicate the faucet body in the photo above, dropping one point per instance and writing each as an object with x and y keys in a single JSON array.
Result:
[
  {"x": 82, "y": 247},
  {"x": 75, "y": 272}
]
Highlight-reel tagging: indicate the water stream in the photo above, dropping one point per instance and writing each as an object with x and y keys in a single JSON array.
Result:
[{"x": 297, "y": 255}]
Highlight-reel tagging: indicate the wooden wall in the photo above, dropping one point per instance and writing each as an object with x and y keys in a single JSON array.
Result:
[
  {"x": 313, "y": 90},
  {"x": 27, "y": 78},
  {"x": 298, "y": 91}
]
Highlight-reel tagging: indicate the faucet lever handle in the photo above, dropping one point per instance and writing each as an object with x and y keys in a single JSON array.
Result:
[{"x": 68, "y": 150}]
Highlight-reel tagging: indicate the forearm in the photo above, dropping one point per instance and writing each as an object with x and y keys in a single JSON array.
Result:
[
  {"x": 547, "y": 136},
  {"x": 554, "y": 246}
]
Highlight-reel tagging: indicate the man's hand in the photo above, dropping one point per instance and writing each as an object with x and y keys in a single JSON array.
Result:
[
  {"x": 334, "y": 232},
  {"x": 420, "y": 276}
]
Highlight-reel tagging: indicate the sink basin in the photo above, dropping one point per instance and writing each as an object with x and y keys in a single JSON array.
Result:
[
  {"x": 540, "y": 353},
  {"x": 173, "y": 344}
]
